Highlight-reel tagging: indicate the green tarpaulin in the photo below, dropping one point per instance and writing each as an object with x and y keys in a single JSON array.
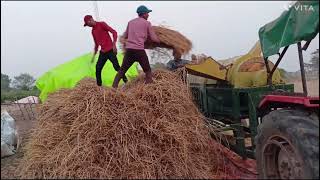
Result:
[
  {"x": 67, "y": 75},
  {"x": 300, "y": 22}
]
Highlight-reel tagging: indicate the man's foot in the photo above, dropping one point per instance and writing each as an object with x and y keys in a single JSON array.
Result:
[
  {"x": 149, "y": 81},
  {"x": 114, "y": 89},
  {"x": 100, "y": 88}
]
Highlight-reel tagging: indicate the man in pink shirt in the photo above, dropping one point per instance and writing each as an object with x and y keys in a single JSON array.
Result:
[
  {"x": 137, "y": 32},
  {"x": 101, "y": 37}
]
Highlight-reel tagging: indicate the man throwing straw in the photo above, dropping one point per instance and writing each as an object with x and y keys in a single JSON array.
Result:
[{"x": 137, "y": 32}]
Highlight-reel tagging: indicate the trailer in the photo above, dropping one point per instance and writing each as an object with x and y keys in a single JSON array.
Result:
[{"x": 283, "y": 126}]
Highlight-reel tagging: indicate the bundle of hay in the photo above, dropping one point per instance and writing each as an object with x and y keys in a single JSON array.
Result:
[
  {"x": 141, "y": 131},
  {"x": 254, "y": 64},
  {"x": 198, "y": 59},
  {"x": 169, "y": 39}
]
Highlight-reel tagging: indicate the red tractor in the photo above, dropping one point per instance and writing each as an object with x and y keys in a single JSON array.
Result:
[{"x": 287, "y": 141}]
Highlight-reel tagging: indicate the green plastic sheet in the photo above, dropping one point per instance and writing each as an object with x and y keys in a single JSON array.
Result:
[
  {"x": 300, "y": 22},
  {"x": 67, "y": 75}
]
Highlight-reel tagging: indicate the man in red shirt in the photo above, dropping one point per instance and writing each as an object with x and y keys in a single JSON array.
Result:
[{"x": 101, "y": 37}]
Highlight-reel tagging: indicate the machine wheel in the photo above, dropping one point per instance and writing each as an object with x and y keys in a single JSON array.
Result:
[{"x": 287, "y": 145}]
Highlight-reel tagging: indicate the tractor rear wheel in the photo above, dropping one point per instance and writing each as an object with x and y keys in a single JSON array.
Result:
[{"x": 287, "y": 145}]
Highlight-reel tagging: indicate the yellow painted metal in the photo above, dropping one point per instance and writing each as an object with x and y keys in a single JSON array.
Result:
[
  {"x": 246, "y": 71},
  {"x": 255, "y": 78},
  {"x": 208, "y": 69}
]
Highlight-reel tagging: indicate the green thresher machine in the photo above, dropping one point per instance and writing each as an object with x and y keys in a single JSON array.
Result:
[{"x": 283, "y": 125}]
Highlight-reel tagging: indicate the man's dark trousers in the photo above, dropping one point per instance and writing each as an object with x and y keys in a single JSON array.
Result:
[{"x": 103, "y": 57}]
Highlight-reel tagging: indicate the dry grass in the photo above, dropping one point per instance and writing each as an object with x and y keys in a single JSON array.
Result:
[
  {"x": 254, "y": 64},
  {"x": 168, "y": 39},
  {"x": 142, "y": 131}
]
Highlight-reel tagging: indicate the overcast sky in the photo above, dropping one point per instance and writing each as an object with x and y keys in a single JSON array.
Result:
[{"x": 37, "y": 36}]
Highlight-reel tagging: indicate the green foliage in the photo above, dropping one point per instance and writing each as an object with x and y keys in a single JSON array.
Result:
[
  {"x": 158, "y": 66},
  {"x": 5, "y": 82},
  {"x": 24, "y": 81},
  {"x": 313, "y": 66},
  {"x": 23, "y": 87},
  {"x": 315, "y": 60},
  {"x": 14, "y": 95}
]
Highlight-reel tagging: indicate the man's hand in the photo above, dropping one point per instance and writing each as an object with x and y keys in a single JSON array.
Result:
[{"x": 115, "y": 49}]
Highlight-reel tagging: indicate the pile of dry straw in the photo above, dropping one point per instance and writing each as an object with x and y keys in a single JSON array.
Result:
[
  {"x": 169, "y": 39},
  {"x": 142, "y": 131}
]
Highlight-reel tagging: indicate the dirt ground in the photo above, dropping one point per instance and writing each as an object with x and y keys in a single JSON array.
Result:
[{"x": 25, "y": 120}]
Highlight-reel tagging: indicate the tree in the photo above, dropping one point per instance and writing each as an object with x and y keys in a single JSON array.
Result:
[
  {"x": 313, "y": 66},
  {"x": 160, "y": 55},
  {"x": 24, "y": 81},
  {"x": 5, "y": 82},
  {"x": 283, "y": 73},
  {"x": 159, "y": 66},
  {"x": 315, "y": 60}
]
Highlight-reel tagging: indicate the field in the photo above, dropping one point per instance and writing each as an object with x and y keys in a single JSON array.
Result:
[{"x": 312, "y": 87}]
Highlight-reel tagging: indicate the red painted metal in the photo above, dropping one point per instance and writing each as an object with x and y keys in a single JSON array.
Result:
[{"x": 302, "y": 100}]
